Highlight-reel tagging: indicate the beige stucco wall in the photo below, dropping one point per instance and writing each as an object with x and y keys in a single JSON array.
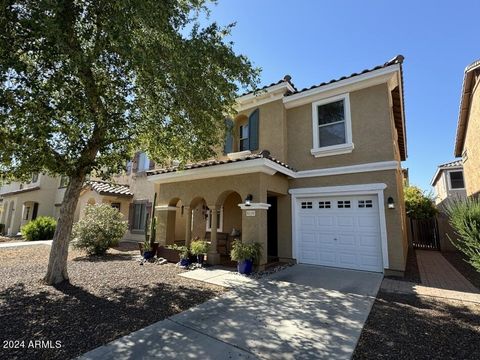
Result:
[
  {"x": 471, "y": 166},
  {"x": 372, "y": 129}
]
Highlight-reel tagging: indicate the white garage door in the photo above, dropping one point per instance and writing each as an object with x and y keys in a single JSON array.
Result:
[{"x": 342, "y": 231}]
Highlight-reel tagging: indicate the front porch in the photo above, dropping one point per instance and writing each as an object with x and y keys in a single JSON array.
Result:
[{"x": 221, "y": 210}]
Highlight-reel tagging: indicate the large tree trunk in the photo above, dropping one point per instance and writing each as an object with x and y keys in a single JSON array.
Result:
[{"x": 57, "y": 264}]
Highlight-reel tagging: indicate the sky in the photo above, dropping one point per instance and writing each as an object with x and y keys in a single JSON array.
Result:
[{"x": 314, "y": 41}]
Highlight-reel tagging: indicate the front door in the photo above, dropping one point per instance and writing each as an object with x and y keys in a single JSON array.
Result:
[{"x": 272, "y": 227}]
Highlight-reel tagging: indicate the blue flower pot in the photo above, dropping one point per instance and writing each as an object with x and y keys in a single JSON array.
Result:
[
  {"x": 148, "y": 255},
  {"x": 184, "y": 262},
  {"x": 245, "y": 267}
]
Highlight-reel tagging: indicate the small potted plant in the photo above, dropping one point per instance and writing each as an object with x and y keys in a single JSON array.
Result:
[
  {"x": 199, "y": 248},
  {"x": 246, "y": 255},
  {"x": 184, "y": 255},
  {"x": 147, "y": 250}
]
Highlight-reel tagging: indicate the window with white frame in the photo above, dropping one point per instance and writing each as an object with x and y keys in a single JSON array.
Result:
[
  {"x": 143, "y": 162},
  {"x": 332, "y": 128},
  {"x": 456, "y": 180},
  {"x": 243, "y": 132},
  {"x": 219, "y": 219}
]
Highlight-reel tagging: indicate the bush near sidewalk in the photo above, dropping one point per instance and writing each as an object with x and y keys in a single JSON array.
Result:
[
  {"x": 101, "y": 228},
  {"x": 464, "y": 216},
  {"x": 42, "y": 228}
]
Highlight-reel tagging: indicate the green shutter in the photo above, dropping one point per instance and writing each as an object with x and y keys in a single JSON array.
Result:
[
  {"x": 228, "y": 146},
  {"x": 253, "y": 125}
]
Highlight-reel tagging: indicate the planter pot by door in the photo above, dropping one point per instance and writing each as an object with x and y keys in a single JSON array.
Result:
[{"x": 245, "y": 267}]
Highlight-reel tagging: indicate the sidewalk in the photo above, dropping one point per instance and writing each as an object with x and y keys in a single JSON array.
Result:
[{"x": 25, "y": 243}]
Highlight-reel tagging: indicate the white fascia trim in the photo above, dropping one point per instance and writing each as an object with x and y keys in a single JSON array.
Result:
[
  {"x": 351, "y": 169},
  {"x": 260, "y": 165},
  {"x": 360, "y": 189},
  {"x": 238, "y": 154},
  {"x": 165, "y": 208},
  {"x": 332, "y": 150},
  {"x": 358, "y": 82},
  {"x": 444, "y": 168},
  {"x": 255, "y": 206}
]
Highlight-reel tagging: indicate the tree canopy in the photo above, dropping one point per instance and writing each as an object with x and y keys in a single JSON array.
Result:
[
  {"x": 418, "y": 205},
  {"x": 84, "y": 83}
]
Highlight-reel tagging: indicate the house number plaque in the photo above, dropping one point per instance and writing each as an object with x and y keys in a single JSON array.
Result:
[{"x": 250, "y": 213}]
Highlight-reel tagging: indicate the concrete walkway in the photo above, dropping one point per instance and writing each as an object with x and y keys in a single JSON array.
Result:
[
  {"x": 25, "y": 243},
  {"x": 302, "y": 312},
  {"x": 437, "y": 272},
  {"x": 218, "y": 275}
]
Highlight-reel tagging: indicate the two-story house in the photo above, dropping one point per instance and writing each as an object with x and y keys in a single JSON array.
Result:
[
  {"x": 130, "y": 193},
  {"x": 448, "y": 183},
  {"x": 468, "y": 129},
  {"x": 314, "y": 175}
]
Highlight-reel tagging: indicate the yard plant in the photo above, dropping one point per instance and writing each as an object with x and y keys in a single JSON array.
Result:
[
  {"x": 464, "y": 216},
  {"x": 199, "y": 247},
  {"x": 42, "y": 228},
  {"x": 86, "y": 83},
  {"x": 418, "y": 205},
  {"x": 246, "y": 251},
  {"x": 101, "y": 228}
]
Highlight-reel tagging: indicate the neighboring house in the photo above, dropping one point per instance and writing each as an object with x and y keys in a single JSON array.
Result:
[
  {"x": 468, "y": 129},
  {"x": 313, "y": 175},
  {"x": 130, "y": 193},
  {"x": 448, "y": 182}
]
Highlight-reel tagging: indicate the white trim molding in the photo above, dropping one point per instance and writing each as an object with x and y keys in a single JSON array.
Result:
[
  {"x": 350, "y": 169},
  {"x": 360, "y": 189},
  {"x": 347, "y": 147},
  {"x": 239, "y": 154},
  {"x": 263, "y": 96},
  {"x": 354, "y": 83},
  {"x": 165, "y": 208},
  {"x": 255, "y": 206}
]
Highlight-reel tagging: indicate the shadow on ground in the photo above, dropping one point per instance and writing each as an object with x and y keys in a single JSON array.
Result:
[
  {"x": 82, "y": 321},
  {"x": 407, "y": 326}
]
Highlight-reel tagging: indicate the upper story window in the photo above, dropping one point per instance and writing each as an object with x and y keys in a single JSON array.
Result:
[
  {"x": 34, "y": 178},
  {"x": 332, "y": 127},
  {"x": 243, "y": 140},
  {"x": 64, "y": 180},
  {"x": 143, "y": 162},
  {"x": 456, "y": 180}
]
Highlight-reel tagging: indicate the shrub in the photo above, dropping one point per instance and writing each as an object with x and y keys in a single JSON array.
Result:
[
  {"x": 465, "y": 219},
  {"x": 101, "y": 228},
  {"x": 42, "y": 228},
  {"x": 418, "y": 205},
  {"x": 183, "y": 250},
  {"x": 241, "y": 251},
  {"x": 199, "y": 247}
]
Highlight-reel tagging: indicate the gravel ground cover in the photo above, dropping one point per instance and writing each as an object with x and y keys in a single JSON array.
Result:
[
  {"x": 107, "y": 297},
  {"x": 464, "y": 268},
  {"x": 414, "y": 327},
  {"x": 4, "y": 239}
]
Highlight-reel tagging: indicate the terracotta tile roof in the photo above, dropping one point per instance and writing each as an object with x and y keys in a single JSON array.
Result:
[
  {"x": 286, "y": 79},
  {"x": 452, "y": 164},
  {"x": 108, "y": 188},
  {"x": 265, "y": 154},
  {"x": 396, "y": 60}
]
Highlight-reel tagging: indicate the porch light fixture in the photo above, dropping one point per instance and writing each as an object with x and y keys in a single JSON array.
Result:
[
  {"x": 390, "y": 203},
  {"x": 248, "y": 200}
]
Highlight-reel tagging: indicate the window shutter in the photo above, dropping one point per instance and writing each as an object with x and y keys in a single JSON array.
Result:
[
  {"x": 130, "y": 215},
  {"x": 228, "y": 146},
  {"x": 253, "y": 125}
]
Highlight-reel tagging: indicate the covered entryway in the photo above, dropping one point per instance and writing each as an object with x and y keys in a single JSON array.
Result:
[{"x": 339, "y": 231}]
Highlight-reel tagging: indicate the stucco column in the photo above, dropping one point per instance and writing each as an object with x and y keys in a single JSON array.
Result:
[
  {"x": 254, "y": 227},
  {"x": 162, "y": 225},
  {"x": 188, "y": 225},
  {"x": 213, "y": 255},
  {"x": 165, "y": 224}
]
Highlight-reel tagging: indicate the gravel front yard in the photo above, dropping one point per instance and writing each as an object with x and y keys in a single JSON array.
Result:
[
  {"x": 411, "y": 327},
  {"x": 107, "y": 298}
]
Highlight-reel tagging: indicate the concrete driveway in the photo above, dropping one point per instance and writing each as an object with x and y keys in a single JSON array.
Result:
[{"x": 303, "y": 312}]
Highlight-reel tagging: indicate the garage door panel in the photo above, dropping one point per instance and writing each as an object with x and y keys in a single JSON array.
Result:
[{"x": 340, "y": 235}]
